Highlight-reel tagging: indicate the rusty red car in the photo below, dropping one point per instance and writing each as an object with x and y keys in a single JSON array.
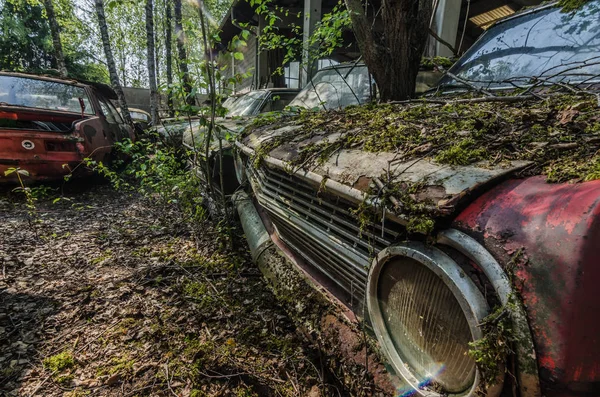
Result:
[
  {"x": 48, "y": 126},
  {"x": 495, "y": 294}
]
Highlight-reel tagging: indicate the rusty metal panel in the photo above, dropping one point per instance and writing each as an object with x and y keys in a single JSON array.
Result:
[{"x": 552, "y": 234}]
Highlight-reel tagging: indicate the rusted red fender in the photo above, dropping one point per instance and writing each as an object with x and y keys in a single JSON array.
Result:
[{"x": 556, "y": 227}]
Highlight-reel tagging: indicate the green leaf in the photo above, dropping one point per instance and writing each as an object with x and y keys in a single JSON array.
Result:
[{"x": 239, "y": 56}]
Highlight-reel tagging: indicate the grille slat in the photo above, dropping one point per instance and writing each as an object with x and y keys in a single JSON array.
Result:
[
  {"x": 346, "y": 217},
  {"x": 322, "y": 228}
]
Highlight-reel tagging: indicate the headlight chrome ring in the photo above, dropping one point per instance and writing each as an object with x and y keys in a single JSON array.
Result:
[{"x": 424, "y": 310}]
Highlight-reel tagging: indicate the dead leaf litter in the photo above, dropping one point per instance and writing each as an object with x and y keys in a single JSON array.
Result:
[{"x": 101, "y": 298}]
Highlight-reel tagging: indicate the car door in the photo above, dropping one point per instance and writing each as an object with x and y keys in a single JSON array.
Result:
[{"x": 114, "y": 123}]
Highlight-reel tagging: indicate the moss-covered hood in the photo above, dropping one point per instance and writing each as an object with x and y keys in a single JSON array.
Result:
[{"x": 439, "y": 150}]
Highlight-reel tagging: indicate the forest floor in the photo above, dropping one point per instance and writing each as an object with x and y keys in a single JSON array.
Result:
[{"x": 104, "y": 294}]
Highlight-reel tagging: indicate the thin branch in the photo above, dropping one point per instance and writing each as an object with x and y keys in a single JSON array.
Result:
[
  {"x": 442, "y": 41},
  {"x": 468, "y": 83}
]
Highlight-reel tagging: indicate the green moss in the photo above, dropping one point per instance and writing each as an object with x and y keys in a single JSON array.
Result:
[
  {"x": 436, "y": 62},
  {"x": 491, "y": 351},
  {"x": 420, "y": 224},
  {"x": 456, "y": 133},
  {"x": 59, "y": 362},
  {"x": 200, "y": 293},
  {"x": 572, "y": 5},
  {"x": 462, "y": 153},
  {"x": 122, "y": 365}
]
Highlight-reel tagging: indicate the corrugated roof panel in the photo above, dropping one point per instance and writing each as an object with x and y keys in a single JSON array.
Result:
[{"x": 486, "y": 19}]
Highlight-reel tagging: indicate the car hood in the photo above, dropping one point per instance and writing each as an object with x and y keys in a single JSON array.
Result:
[{"x": 447, "y": 187}]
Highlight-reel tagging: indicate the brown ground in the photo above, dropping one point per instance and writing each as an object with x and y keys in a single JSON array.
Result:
[{"x": 108, "y": 295}]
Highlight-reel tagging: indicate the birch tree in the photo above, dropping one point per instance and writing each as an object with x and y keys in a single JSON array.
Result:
[
  {"x": 110, "y": 61},
  {"x": 56, "y": 42},
  {"x": 182, "y": 54},
  {"x": 150, "y": 62}
]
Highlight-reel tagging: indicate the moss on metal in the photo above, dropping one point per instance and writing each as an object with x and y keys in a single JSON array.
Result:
[
  {"x": 559, "y": 134},
  {"x": 572, "y": 5}
]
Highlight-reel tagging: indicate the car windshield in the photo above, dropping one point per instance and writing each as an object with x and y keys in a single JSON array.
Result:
[
  {"x": 247, "y": 104},
  {"x": 43, "y": 94},
  {"x": 547, "y": 45},
  {"x": 335, "y": 88}
]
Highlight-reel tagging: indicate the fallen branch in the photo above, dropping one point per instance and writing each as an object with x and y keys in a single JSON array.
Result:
[
  {"x": 504, "y": 99},
  {"x": 468, "y": 83}
]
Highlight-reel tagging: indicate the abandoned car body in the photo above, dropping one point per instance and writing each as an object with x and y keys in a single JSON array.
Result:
[
  {"x": 49, "y": 125},
  {"x": 334, "y": 87},
  {"x": 434, "y": 254},
  {"x": 240, "y": 109}
]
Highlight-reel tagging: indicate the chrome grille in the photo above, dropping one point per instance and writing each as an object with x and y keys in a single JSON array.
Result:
[{"x": 322, "y": 228}]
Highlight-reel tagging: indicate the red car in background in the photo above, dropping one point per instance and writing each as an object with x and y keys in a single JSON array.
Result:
[{"x": 48, "y": 126}]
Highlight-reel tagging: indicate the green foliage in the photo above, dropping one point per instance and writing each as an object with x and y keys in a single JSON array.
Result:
[
  {"x": 31, "y": 195},
  {"x": 326, "y": 37},
  {"x": 156, "y": 170},
  {"x": 25, "y": 41}
]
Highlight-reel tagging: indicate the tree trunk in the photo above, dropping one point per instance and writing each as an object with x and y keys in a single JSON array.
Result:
[
  {"x": 169, "y": 56},
  {"x": 110, "y": 62},
  {"x": 55, "y": 31},
  {"x": 183, "y": 66},
  {"x": 150, "y": 62},
  {"x": 393, "y": 56}
]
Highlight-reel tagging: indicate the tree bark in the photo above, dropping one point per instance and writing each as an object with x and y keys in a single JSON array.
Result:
[
  {"x": 393, "y": 56},
  {"x": 183, "y": 66},
  {"x": 55, "y": 31},
  {"x": 169, "y": 56},
  {"x": 150, "y": 62},
  {"x": 110, "y": 62}
]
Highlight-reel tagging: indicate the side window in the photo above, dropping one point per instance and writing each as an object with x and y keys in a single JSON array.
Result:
[
  {"x": 116, "y": 114},
  {"x": 107, "y": 111},
  {"x": 280, "y": 101}
]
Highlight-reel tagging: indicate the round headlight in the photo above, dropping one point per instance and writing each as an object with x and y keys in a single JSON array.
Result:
[{"x": 425, "y": 311}]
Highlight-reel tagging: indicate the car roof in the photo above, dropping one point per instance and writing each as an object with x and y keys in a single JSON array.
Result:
[{"x": 104, "y": 89}]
